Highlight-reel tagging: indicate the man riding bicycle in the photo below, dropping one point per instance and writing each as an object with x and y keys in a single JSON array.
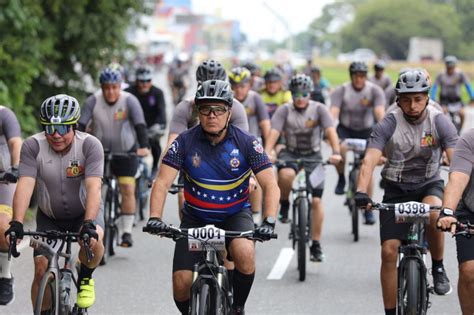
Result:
[
  {"x": 303, "y": 121},
  {"x": 117, "y": 120},
  {"x": 217, "y": 160},
  {"x": 450, "y": 83},
  {"x": 64, "y": 167},
  {"x": 274, "y": 94},
  {"x": 458, "y": 204},
  {"x": 381, "y": 79},
  {"x": 10, "y": 145},
  {"x": 412, "y": 139},
  {"x": 358, "y": 105},
  {"x": 256, "y": 81}
]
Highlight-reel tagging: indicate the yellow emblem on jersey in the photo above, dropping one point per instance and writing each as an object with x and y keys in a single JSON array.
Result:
[
  {"x": 427, "y": 140},
  {"x": 120, "y": 115},
  {"x": 74, "y": 169}
]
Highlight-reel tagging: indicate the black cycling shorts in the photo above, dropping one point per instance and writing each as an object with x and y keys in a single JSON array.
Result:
[
  {"x": 347, "y": 133},
  {"x": 389, "y": 229},
  {"x": 45, "y": 223},
  {"x": 286, "y": 155},
  {"x": 124, "y": 165},
  {"x": 464, "y": 245},
  {"x": 184, "y": 259}
]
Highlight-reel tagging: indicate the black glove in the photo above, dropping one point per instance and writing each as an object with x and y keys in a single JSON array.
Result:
[
  {"x": 11, "y": 175},
  {"x": 89, "y": 228},
  {"x": 265, "y": 230},
  {"x": 361, "y": 199},
  {"x": 17, "y": 228},
  {"x": 156, "y": 226}
]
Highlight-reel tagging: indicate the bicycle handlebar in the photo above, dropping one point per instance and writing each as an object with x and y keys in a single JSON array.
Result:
[
  {"x": 300, "y": 162},
  {"x": 391, "y": 206},
  {"x": 175, "y": 188}
]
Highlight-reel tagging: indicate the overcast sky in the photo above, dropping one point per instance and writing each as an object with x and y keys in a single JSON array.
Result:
[{"x": 258, "y": 22}]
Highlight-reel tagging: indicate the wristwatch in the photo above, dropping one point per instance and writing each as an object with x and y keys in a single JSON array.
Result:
[{"x": 446, "y": 212}]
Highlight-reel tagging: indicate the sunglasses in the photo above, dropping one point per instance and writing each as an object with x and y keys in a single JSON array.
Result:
[
  {"x": 300, "y": 94},
  {"x": 61, "y": 129},
  {"x": 144, "y": 81},
  {"x": 217, "y": 110}
]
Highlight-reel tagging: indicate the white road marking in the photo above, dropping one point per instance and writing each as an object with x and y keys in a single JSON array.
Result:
[{"x": 281, "y": 264}]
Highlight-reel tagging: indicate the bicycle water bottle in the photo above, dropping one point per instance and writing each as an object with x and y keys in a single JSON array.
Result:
[{"x": 65, "y": 286}]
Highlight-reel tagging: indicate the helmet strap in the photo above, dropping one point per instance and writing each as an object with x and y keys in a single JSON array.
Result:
[{"x": 220, "y": 132}]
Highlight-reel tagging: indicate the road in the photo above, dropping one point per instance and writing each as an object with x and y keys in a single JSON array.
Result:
[{"x": 138, "y": 280}]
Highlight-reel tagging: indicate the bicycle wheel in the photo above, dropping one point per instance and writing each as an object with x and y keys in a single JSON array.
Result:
[
  {"x": 301, "y": 236},
  {"x": 109, "y": 226},
  {"x": 409, "y": 285},
  {"x": 293, "y": 231},
  {"x": 352, "y": 206},
  {"x": 47, "y": 298},
  {"x": 204, "y": 306}
]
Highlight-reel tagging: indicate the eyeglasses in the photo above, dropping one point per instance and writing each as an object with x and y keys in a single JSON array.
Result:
[
  {"x": 217, "y": 110},
  {"x": 61, "y": 129},
  {"x": 300, "y": 94},
  {"x": 144, "y": 81}
]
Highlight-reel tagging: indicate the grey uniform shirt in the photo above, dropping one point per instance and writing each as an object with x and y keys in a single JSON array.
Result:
[
  {"x": 60, "y": 186},
  {"x": 185, "y": 117},
  {"x": 114, "y": 125},
  {"x": 256, "y": 112},
  {"x": 302, "y": 128},
  {"x": 9, "y": 128},
  {"x": 384, "y": 82},
  {"x": 413, "y": 150},
  {"x": 463, "y": 161},
  {"x": 357, "y": 107},
  {"x": 450, "y": 85}
]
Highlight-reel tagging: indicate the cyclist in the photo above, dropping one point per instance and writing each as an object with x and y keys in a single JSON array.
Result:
[
  {"x": 412, "y": 139},
  {"x": 321, "y": 86},
  {"x": 116, "y": 118},
  {"x": 303, "y": 121},
  {"x": 259, "y": 122},
  {"x": 381, "y": 79},
  {"x": 217, "y": 159},
  {"x": 152, "y": 100},
  {"x": 458, "y": 204},
  {"x": 177, "y": 79},
  {"x": 65, "y": 167},
  {"x": 10, "y": 145},
  {"x": 357, "y": 104},
  {"x": 256, "y": 82},
  {"x": 273, "y": 94},
  {"x": 450, "y": 83}
]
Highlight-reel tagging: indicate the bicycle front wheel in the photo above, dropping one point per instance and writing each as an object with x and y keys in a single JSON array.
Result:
[
  {"x": 47, "y": 298},
  {"x": 354, "y": 210},
  {"x": 204, "y": 306},
  {"x": 301, "y": 236},
  {"x": 409, "y": 288}
]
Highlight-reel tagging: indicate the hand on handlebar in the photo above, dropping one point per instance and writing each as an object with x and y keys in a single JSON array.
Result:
[
  {"x": 335, "y": 159},
  {"x": 446, "y": 223},
  {"x": 17, "y": 228},
  {"x": 88, "y": 228},
  {"x": 362, "y": 200},
  {"x": 11, "y": 175},
  {"x": 143, "y": 151},
  {"x": 265, "y": 230},
  {"x": 156, "y": 226}
]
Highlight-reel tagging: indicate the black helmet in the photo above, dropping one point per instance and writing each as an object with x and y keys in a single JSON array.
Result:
[
  {"x": 379, "y": 65},
  {"x": 214, "y": 91},
  {"x": 273, "y": 75},
  {"x": 239, "y": 75},
  {"x": 143, "y": 73},
  {"x": 300, "y": 83},
  {"x": 450, "y": 61},
  {"x": 412, "y": 81},
  {"x": 315, "y": 69},
  {"x": 253, "y": 67},
  {"x": 358, "y": 66},
  {"x": 210, "y": 70}
]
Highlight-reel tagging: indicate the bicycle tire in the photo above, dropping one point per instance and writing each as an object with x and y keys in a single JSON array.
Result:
[
  {"x": 204, "y": 306},
  {"x": 293, "y": 231},
  {"x": 48, "y": 286},
  {"x": 301, "y": 235},
  {"x": 107, "y": 228},
  {"x": 352, "y": 206},
  {"x": 409, "y": 288}
]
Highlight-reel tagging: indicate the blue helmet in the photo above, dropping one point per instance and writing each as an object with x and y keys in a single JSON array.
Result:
[{"x": 110, "y": 76}]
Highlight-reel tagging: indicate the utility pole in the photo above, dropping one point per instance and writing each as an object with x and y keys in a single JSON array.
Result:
[{"x": 285, "y": 24}]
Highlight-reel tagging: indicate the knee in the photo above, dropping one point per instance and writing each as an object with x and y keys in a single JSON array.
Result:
[
  {"x": 389, "y": 253},
  {"x": 466, "y": 272},
  {"x": 182, "y": 281},
  {"x": 128, "y": 190},
  {"x": 40, "y": 268},
  {"x": 3, "y": 227},
  {"x": 244, "y": 258},
  {"x": 286, "y": 175},
  {"x": 316, "y": 203}
]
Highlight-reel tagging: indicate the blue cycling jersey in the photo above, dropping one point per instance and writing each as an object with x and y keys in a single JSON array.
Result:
[{"x": 216, "y": 177}]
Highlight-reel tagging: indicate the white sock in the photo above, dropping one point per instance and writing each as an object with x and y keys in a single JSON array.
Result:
[
  {"x": 5, "y": 266},
  {"x": 127, "y": 222}
]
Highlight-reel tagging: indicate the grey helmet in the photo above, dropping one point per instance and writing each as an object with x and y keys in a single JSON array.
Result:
[
  {"x": 412, "y": 81},
  {"x": 210, "y": 70},
  {"x": 380, "y": 65},
  {"x": 300, "y": 83},
  {"x": 273, "y": 75},
  {"x": 214, "y": 91},
  {"x": 143, "y": 73},
  {"x": 450, "y": 61},
  {"x": 60, "y": 109},
  {"x": 358, "y": 66}
]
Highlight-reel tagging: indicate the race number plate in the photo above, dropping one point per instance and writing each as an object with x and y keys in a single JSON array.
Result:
[
  {"x": 209, "y": 234},
  {"x": 40, "y": 242},
  {"x": 356, "y": 145},
  {"x": 412, "y": 211}
]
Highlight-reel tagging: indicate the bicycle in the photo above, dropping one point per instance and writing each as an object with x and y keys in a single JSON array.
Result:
[
  {"x": 300, "y": 228},
  {"x": 57, "y": 284},
  {"x": 142, "y": 189},
  {"x": 413, "y": 287},
  {"x": 211, "y": 290},
  {"x": 454, "y": 109},
  {"x": 357, "y": 146}
]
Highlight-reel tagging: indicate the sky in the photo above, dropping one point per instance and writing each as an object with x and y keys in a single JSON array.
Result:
[{"x": 258, "y": 22}]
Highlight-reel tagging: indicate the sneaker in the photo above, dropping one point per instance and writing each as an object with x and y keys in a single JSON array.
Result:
[
  {"x": 126, "y": 240},
  {"x": 369, "y": 217},
  {"x": 6, "y": 291},
  {"x": 341, "y": 183},
  {"x": 441, "y": 281},
  {"x": 316, "y": 253},
  {"x": 86, "y": 293},
  {"x": 238, "y": 310},
  {"x": 283, "y": 217}
]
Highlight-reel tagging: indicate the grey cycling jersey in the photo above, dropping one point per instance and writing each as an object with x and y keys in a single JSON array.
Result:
[
  {"x": 9, "y": 128},
  {"x": 256, "y": 112},
  {"x": 384, "y": 82},
  {"x": 302, "y": 128},
  {"x": 413, "y": 150},
  {"x": 186, "y": 117},
  {"x": 114, "y": 125},
  {"x": 357, "y": 107},
  {"x": 463, "y": 161},
  {"x": 450, "y": 85},
  {"x": 394, "y": 106},
  {"x": 60, "y": 186},
  {"x": 258, "y": 84}
]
